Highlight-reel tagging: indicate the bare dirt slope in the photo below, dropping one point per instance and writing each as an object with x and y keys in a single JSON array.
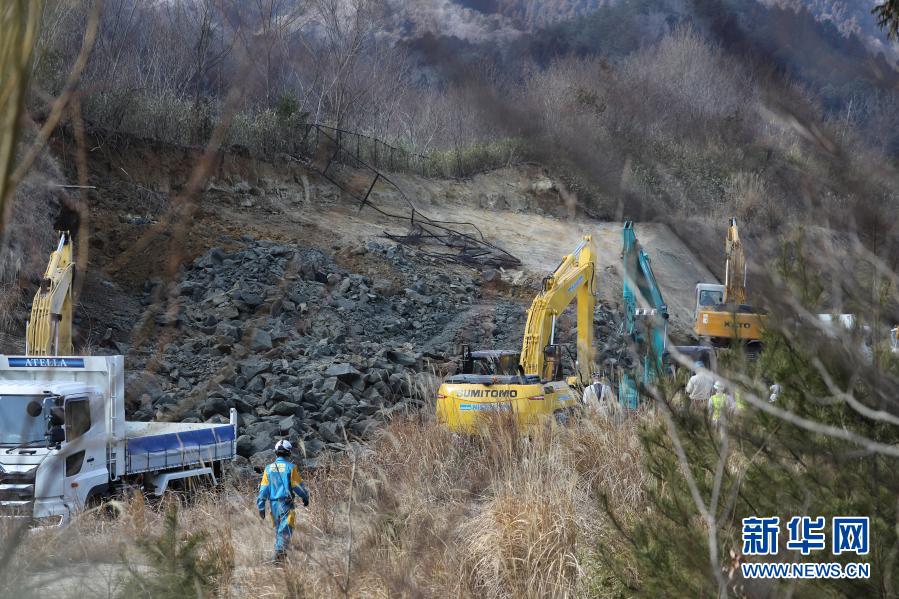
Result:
[
  {"x": 522, "y": 209},
  {"x": 514, "y": 209}
]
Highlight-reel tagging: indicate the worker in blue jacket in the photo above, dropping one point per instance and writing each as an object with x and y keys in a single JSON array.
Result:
[{"x": 280, "y": 482}]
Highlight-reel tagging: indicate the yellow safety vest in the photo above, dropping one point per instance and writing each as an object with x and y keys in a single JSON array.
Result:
[{"x": 718, "y": 401}]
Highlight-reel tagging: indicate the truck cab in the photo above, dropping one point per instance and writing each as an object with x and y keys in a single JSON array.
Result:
[
  {"x": 64, "y": 439},
  {"x": 54, "y": 426},
  {"x": 50, "y": 457},
  {"x": 52, "y": 447}
]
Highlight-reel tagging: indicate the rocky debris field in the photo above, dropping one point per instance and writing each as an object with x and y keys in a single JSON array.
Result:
[{"x": 306, "y": 350}]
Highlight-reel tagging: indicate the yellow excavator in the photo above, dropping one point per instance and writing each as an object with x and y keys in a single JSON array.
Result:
[
  {"x": 721, "y": 314},
  {"x": 530, "y": 385},
  {"x": 49, "y": 330}
]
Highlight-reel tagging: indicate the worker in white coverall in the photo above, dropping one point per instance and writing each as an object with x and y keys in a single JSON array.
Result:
[
  {"x": 598, "y": 396},
  {"x": 699, "y": 387}
]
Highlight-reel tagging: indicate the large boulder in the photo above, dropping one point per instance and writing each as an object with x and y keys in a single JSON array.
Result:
[
  {"x": 248, "y": 445},
  {"x": 215, "y": 405},
  {"x": 365, "y": 427},
  {"x": 401, "y": 358},
  {"x": 140, "y": 384},
  {"x": 259, "y": 340},
  {"x": 344, "y": 372},
  {"x": 310, "y": 447},
  {"x": 253, "y": 366},
  {"x": 262, "y": 459},
  {"x": 286, "y": 408},
  {"x": 287, "y": 424},
  {"x": 330, "y": 432},
  {"x": 278, "y": 394}
]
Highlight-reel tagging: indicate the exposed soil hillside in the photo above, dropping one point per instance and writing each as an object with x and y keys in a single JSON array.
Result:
[{"x": 521, "y": 209}]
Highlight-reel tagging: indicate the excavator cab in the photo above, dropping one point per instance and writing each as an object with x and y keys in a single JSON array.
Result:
[
  {"x": 708, "y": 295},
  {"x": 552, "y": 363},
  {"x": 489, "y": 362}
]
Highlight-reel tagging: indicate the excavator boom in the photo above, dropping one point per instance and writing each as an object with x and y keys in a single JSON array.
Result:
[
  {"x": 735, "y": 267},
  {"x": 575, "y": 277},
  {"x": 49, "y": 330}
]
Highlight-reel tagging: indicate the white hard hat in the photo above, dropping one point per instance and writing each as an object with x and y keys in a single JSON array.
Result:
[
  {"x": 719, "y": 386},
  {"x": 283, "y": 445}
]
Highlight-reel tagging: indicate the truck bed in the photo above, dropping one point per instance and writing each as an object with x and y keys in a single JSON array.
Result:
[{"x": 153, "y": 446}]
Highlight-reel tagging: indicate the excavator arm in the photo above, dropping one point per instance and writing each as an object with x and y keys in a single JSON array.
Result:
[
  {"x": 735, "y": 267},
  {"x": 49, "y": 331},
  {"x": 646, "y": 314},
  {"x": 575, "y": 278}
]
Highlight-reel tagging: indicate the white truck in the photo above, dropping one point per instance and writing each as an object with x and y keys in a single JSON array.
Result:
[{"x": 64, "y": 439}]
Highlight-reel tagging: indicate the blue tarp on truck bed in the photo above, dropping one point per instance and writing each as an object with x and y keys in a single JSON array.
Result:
[
  {"x": 181, "y": 439},
  {"x": 179, "y": 449}
]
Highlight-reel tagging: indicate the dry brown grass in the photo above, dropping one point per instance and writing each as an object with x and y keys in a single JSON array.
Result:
[{"x": 420, "y": 513}]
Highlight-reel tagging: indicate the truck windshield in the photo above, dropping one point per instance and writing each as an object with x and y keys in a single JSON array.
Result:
[{"x": 16, "y": 425}]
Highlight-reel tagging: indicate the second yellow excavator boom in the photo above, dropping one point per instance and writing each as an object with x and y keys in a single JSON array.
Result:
[
  {"x": 735, "y": 267},
  {"x": 49, "y": 330}
]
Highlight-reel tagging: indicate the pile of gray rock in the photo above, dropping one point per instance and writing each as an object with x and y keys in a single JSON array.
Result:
[{"x": 303, "y": 349}]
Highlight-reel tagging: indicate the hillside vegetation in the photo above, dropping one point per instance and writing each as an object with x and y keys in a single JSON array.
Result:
[{"x": 748, "y": 109}]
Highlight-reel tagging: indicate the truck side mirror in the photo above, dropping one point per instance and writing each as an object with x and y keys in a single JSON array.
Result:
[
  {"x": 57, "y": 416},
  {"x": 56, "y": 435}
]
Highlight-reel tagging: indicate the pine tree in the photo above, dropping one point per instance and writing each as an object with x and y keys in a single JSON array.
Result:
[
  {"x": 178, "y": 565},
  {"x": 801, "y": 465}
]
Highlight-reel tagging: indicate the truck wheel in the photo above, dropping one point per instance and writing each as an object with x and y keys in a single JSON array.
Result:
[
  {"x": 561, "y": 417},
  {"x": 99, "y": 499}
]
